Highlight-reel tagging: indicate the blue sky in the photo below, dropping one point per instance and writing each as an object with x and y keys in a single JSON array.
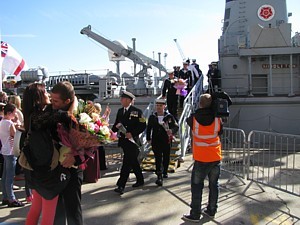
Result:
[{"x": 47, "y": 33}]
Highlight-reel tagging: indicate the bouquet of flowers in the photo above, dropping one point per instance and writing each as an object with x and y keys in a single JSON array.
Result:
[
  {"x": 88, "y": 131},
  {"x": 89, "y": 120},
  {"x": 181, "y": 85},
  {"x": 165, "y": 125}
]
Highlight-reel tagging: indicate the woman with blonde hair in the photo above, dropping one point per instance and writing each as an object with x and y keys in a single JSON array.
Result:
[
  {"x": 19, "y": 119},
  {"x": 19, "y": 124}
]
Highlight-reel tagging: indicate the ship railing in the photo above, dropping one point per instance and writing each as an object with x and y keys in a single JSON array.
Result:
[
  {"x": 273, "y": 160},
  {"x": 260, "y": 85},
  {"x": 75, "y": 79},
  {"x": 191, "y": 103}
]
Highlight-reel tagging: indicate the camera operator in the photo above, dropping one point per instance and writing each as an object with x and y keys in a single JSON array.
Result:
[{"x": 206, "y": 145}]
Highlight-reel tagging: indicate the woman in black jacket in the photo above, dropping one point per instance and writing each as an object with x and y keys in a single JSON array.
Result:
[{"x": 40, "y": 118}]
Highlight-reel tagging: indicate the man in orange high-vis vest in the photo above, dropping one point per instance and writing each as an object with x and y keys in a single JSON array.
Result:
[{"x": 206, "y": 146}]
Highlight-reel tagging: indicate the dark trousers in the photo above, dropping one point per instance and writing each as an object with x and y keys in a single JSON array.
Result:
[
  {"x": 199, "y": 172},
  {"x": 69, "y": 202},
  {"x": 1, "y": 164},
  {"x": 162, "y": 158},
  {"x": 130, "y": 161},
  {"x": 102, "y": 159},
  {"x": 172, "y": 103}
]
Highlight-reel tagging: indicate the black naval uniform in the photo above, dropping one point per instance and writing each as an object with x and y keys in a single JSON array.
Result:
[
  {"x": 214, "y": 79},
  {"x": 135, "y": 123},
  {"x": 172, "y": 99},
  {"x": 161, "y": 144},
  {"x": 185, "y": 75}
]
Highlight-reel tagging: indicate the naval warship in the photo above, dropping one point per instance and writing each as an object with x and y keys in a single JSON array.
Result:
[{"x": 259, "y": 63}]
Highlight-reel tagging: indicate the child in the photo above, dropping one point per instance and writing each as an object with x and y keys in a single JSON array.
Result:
[{"x": 7, "y": 132}]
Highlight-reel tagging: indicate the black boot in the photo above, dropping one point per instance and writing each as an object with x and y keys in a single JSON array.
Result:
[{"x": 159, "y": 180}]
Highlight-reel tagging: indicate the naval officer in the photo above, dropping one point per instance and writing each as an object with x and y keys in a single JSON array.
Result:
[{"x": 130, "y": 123}]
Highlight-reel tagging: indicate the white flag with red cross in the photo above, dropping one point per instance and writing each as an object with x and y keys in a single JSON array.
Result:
[{"x": 12, "y": 62}]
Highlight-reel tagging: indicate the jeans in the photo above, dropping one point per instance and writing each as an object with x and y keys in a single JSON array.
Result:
[
  {"x": 8, "y": 177},
  {"x": 200, "y": 171}
]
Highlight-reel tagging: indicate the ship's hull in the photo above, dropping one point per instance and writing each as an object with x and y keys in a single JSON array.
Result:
[{"x": 276, "y": 114}]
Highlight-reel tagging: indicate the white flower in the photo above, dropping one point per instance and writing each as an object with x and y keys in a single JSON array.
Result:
[
  {"x": 91, "y": 126},
  {"x": 81, "y": 105},
  {"x": 95, "y": 116},
  {"x": 105, "y": 130},
  {"x": 84, "y": 118}
]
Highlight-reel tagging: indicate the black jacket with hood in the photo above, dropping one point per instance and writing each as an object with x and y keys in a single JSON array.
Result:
[{"x": 205, "y": 117}]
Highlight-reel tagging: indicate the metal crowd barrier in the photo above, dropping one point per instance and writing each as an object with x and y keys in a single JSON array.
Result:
[
  {"x": 274, "y": 161},
  {"x": 234, "y": 153}
]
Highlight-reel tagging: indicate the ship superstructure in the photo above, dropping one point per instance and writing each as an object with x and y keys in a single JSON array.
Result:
[{"x": 259, "y": 62}]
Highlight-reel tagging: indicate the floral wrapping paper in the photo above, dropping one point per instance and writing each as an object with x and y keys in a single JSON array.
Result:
[
  {"x": 181, "y": 85},
  {"x": 88, "y": 131}
]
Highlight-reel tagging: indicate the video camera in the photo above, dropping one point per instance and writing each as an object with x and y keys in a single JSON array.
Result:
[{"x": 220, "y": 104}]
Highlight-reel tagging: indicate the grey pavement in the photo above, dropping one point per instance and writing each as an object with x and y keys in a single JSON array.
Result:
[{"x": 152, "y": 205}]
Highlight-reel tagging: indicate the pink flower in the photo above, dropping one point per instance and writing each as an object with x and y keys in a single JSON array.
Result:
[
  {"x": 99, "y": 123},
  {"x": 96, "y": 128},
  {"x": 113, "y": 135}
]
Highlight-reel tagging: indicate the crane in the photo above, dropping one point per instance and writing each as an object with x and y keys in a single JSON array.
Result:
[
  {"x": 139, "y": 87},
  {"x": 118, "y": 50},
  {"x": 150, "y": 61},
  {"x": 179, "y": 49}
]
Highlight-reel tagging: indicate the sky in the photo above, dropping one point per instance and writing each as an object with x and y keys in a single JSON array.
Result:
[{"x": 47, "y": 33}]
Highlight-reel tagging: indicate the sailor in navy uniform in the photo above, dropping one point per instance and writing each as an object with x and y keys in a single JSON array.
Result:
[
  {"x": 160, "y": 129},
  {"x": 214, "y": 78},
  {"x": 169, "y": 92},
  {"x": 130, "y": 123},
  {"x": 186, "y": 74}
]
